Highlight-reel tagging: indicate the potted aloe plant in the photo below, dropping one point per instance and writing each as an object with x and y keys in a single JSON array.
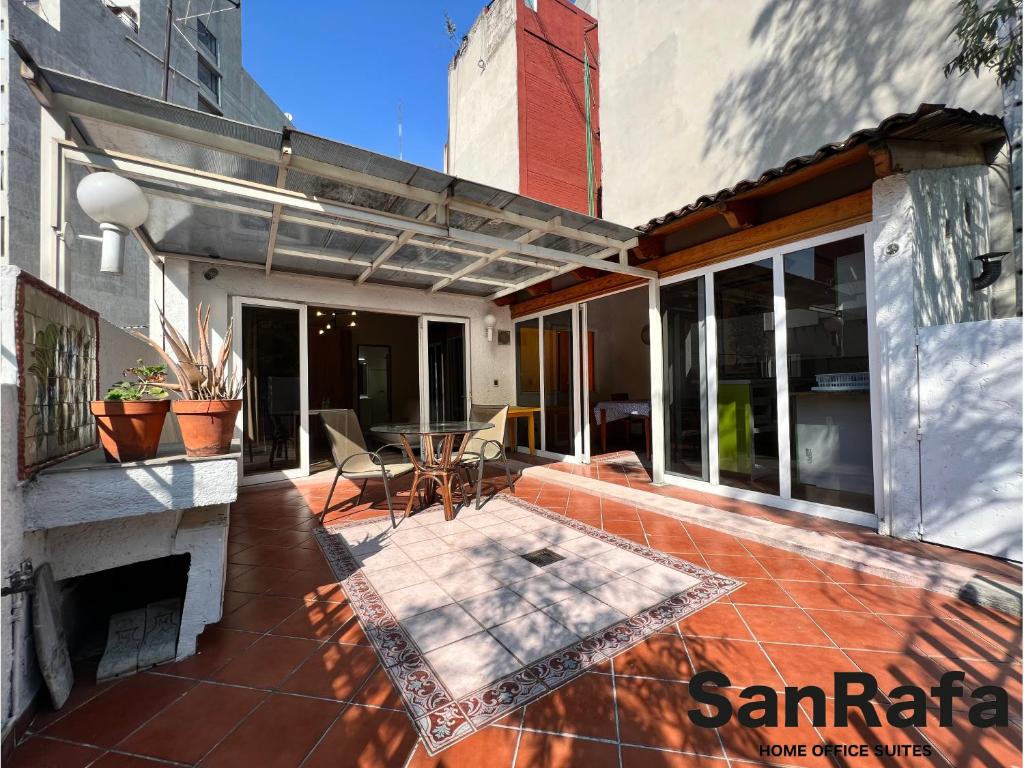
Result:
[
  {"x": 131, "y": 415},
  {"x": 208, "y": 396}
]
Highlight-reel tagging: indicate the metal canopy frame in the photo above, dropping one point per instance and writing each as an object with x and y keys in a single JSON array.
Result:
[{"x": 359, "y": 216}]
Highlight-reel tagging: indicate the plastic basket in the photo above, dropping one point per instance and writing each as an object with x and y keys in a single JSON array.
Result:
[{"x": 842, "y": 382}]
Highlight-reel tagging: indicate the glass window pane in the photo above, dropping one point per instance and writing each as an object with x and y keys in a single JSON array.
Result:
[
  {"x": 686, "y": 425},
  {"x": 206, "y": 38},
  {"x": 270, "y": 358},
  {"x": 829, "y": 404},
  {"x": 527, "y": 375},
  {"x": 446, "y": 370},
  {"x": 558, "y": 375},
  {"x": 748, "y": 446},
  {"x": 209, "y": 78}
]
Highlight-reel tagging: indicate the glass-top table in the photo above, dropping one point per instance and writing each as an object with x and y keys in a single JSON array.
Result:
[{"x": 439, "y": 463}]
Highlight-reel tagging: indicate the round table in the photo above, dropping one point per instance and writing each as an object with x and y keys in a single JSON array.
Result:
[{"x": 439, "y": 463}]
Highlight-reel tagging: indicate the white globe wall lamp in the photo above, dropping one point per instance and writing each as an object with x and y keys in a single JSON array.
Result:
[
  {"x": 489, "y": 323},
  {"x": 118, "y": 205}
]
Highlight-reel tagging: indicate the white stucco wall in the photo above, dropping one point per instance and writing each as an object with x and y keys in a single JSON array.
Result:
[
  {"x": 920, "y": 277},
  {"x": 489, "y": 362},
  {"x": 621, "y": 360},
  {"x": 483, "y": 115},
  {"x": 971, "y": 444},
  {"x": 72, "y": 548},
  {"x": 696, "y": 96}
]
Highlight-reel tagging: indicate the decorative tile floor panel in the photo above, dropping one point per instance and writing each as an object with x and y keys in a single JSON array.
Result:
[{"x": 469, "y": 630}]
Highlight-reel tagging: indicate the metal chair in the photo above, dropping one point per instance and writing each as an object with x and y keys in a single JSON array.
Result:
[
  {"x": 354, "y": 461},
  {"x": 487, "y": 445}
]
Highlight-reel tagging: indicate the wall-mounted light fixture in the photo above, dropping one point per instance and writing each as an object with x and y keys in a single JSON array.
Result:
[
  {"x": 489, "y": 323},
  {"x": 117, "y": 204},
  {"x": 991, "y": 269}
]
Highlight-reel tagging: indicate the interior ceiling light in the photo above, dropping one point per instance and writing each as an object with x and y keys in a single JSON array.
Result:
[
  {"x": 327, "y": 327},
  {"x": 353, "y": 313},
  {"x": 352, "y": 324},
  {"x": 319, "y": 313},
  {"x": 117, "y": 204},
  {"x": 321, "y": 331}
]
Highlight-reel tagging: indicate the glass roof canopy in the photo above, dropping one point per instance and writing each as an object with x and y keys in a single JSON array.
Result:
[{"x": 294, "y": 202}]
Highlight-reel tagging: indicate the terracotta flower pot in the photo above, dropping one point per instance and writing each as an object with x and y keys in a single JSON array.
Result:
[
  {"x": 206, "y": 425},
  {"x": 129, "y": 429}
]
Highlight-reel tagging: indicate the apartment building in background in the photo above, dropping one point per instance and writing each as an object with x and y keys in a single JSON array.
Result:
[
  {"x": 122, "y": 43},
  {"x": 523, "y": 110}
]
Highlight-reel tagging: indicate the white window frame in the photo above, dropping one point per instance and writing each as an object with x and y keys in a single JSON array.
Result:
[
  {"x": 580, "y": 433},
  {"x": 424, "y": 382},
  {"x": 784, "y": 500},
  {"x": 237, "y": 302}
]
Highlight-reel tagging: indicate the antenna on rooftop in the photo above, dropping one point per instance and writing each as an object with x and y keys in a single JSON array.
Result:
[
  {"x": 172, "y": 25},
  {"x": 400, "y": 138}
]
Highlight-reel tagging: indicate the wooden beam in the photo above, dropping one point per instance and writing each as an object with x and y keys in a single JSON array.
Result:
[
  {"x": 881, "y": 158},
  {"x": 579, "y": 292},
  {"x": 649, "y": 247},
  {"x": 820, "y": 168},
  {"x": 539, "y": 289},
  {"x": 821, "y": 219},
  {"x": 828, "y": 217},
  {"x": 738, "y": 214}
]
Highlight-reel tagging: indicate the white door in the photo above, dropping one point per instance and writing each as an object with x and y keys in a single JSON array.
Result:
[
  {"x": 549, "y": 361},
  {"x": 271, "y": 352},
  {"x": 446, "y": 392}
]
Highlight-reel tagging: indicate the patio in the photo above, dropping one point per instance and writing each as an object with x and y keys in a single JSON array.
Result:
[{"x": 288, "y": 677}]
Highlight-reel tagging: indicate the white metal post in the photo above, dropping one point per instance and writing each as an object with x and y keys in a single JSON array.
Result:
[
  {"x": 303, "y": 391},
  {"x": 585, "y": 380},
  {"x": 711, "y": 336},
  {"x": 540, "y": 367},
  {"x": 782, "y": 378},
  {"x": 657, "y": 349},
  {"x": 237, "y": 363},
  {"x": 576, "y": 382}
]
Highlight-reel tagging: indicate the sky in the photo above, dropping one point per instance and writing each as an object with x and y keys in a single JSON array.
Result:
[{"x": 342, "y": 68}]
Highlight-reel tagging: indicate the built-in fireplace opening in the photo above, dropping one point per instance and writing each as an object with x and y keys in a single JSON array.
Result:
[{"x": 125, "y": 619}]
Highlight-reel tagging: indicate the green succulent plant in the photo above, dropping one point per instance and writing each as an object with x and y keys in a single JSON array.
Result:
[{"x": 148, "y": 383}]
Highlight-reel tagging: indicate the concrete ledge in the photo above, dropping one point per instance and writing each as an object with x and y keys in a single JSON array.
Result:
[
  {"x": 88, "y": 489},
  {"x": 945, "y": 578}
]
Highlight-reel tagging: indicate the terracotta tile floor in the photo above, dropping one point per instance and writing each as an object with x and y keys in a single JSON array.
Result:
[{"x": 287, "y": 678}]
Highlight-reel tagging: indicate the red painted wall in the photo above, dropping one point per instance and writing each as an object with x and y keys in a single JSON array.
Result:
[{"x": 552, "y": 121}]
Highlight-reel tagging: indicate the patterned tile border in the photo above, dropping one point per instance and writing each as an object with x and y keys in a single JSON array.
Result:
[{"x": 443, "y": 720}]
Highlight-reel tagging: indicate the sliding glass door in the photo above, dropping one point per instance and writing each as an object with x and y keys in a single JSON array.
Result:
[
  {"x": 829, "y": 396},
  {"x": 444, "y": 381},
  {"x": 547, "y": 376},
  {"x": 271, "y": 339},
  {"x": 778, "y": 343},
  {"x": 748, "y": 422},
  {"x": 683, "y": 309}
]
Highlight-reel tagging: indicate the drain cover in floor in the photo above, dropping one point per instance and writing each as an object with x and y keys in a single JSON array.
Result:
[{"x": 542, "y": 557}]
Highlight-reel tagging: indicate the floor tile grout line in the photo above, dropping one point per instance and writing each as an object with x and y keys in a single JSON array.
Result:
[
  {"x": 615, "y": 711},
  {"x": 884, "y": 695},
  {"x": 266, "y": 695},
  {"x": 519, "y": 737},
  {"x": 771, "y": 661},
  {"x": 718, "y": 731},
  {"x": 101, "y": 749},
  {"x": 803, "y": 707},
  {"x": 295, "y": 694},
  {"x": 609, "y": 742}
]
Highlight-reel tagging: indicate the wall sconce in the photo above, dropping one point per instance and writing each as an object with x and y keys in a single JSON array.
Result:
[
  {"x": 489, "y": 322},
  {"x": 117, "y": 204}
]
